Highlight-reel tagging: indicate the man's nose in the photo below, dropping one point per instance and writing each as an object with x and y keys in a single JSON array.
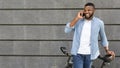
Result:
[{"x": 86, "y": 12}]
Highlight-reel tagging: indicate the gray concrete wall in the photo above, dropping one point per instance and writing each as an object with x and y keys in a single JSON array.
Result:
[{"x": 32, "y": 31}]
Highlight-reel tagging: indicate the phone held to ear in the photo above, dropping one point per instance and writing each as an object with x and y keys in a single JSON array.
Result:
[{"x": 82, "y": 14}]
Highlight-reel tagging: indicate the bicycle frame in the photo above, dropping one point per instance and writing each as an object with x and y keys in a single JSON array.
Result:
[{"x": 70, "y": 63}]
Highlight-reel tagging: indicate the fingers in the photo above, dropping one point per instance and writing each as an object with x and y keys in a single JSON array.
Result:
[
  {"x": 80, "y": 14},
  {"x": 111, "y": 53}
]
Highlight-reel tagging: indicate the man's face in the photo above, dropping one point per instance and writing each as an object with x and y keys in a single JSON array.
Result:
[{"x": 89, "y": 12}]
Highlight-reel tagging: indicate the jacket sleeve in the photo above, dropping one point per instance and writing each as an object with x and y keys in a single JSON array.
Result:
[
  {"x": 103, "y": 37},
  {"x": 68, "y": 28}
]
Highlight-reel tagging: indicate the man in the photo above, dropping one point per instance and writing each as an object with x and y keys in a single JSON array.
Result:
[{"x": 86, "y": 29}]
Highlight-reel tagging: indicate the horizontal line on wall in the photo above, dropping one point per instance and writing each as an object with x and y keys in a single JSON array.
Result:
[
  {"x": 32, "y": 24},
  {"x": 34, "y": 55},
  {"x": 112, "y": 24},
  {"x": 43, "y": 40},
  {"x": 55, "y": 8},
  {"x": 34, "y": 40}
]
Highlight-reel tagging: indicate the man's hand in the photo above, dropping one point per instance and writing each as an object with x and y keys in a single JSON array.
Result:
[
  {"x": 79, "y": 16},
  {"x": 109, "y": 52},
  {"x": 112, "y": 53}
]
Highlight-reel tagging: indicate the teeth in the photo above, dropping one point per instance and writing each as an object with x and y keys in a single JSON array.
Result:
[{"x": 87, "y": 14}]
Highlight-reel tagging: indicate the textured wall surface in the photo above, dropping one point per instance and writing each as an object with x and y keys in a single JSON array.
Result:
[{"x": 32, "y": 31}]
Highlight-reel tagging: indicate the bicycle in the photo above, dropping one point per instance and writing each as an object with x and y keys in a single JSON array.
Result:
[{"x": 106, "y": 59}]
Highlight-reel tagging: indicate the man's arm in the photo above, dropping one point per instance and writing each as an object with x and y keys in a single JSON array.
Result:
[
  {"x": 70, "y": 26},
  {"x": 79, "y": 16},
  {"x": 104, "y": 41}
]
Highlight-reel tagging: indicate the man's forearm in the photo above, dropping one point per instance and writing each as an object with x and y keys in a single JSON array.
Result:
[
  {"x": 74, "y": 21},
  {"x": 109, "y": 51}
]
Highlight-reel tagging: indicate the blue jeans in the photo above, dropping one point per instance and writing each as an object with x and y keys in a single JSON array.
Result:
[{"x": 81, "y": 61}]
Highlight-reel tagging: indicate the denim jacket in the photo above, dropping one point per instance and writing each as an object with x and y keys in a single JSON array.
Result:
[{"x": 97, "y": 28}]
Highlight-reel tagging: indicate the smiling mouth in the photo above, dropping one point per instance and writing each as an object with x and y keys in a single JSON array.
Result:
[{"x": 87, "y": 15}]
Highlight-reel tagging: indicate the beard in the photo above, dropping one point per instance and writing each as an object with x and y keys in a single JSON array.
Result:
[{"x": 89, "y": 17}]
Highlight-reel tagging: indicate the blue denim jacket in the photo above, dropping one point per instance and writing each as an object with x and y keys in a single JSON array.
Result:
[{"x": 97, "y": 28}]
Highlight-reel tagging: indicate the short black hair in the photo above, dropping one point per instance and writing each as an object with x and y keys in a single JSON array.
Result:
[{"x": 90, "y": 4}]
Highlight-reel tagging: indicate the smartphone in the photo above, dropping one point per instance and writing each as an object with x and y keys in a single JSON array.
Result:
[{"x": 82, "y": 15}]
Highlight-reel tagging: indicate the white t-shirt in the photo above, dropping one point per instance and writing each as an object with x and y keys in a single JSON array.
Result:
[{"x": 85, "y": 38}]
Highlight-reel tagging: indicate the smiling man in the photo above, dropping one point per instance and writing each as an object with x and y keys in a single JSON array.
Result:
[{"x": 86, "y": 29}]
